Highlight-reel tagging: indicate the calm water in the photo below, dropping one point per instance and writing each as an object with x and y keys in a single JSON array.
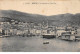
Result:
[{"x": 35, "y": 44}]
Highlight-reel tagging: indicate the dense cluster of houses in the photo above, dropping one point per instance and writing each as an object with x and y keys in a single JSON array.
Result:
[{"x": 16, "y": 28}]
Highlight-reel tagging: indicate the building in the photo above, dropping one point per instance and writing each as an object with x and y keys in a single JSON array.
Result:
[
  {"x": 77, "y": 35},
  {"x": 67, "y": 36},
  {"x": 59, "y": 31}
]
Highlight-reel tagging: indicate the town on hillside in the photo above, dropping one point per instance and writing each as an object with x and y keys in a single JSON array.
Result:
[{"x": 30, "y": 29}]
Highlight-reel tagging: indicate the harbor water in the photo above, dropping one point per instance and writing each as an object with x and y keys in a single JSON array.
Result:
[{"x": 35, "y": 44}]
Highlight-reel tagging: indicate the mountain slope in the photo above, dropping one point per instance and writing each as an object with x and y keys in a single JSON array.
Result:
[
  {"x": 61, "y": 19},
  {"x": 20, "y": 16}
]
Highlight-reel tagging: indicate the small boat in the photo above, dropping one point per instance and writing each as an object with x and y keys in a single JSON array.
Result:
[{"x": 45, "y": 42}]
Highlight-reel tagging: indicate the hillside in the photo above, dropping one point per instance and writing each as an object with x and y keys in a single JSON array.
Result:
[
  {"x": 20, "y": 16},
  {"x": 61, "y": 19}
]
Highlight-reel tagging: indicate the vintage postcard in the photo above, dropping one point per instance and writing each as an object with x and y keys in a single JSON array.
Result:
[{"x": 39, "y": 25}]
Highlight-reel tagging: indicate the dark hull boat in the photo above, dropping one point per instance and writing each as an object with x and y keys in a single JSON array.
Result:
[
  {"x": 45, "y": 42},
  {"x": 49, "y": 36}
]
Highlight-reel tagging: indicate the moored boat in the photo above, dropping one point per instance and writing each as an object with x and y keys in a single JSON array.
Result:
[{"x": 48, "y": 36}]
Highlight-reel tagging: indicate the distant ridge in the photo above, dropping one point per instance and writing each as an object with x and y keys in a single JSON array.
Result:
[{"x": 61, "y": 19}]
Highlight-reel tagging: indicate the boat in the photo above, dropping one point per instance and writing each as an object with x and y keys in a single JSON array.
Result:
[
  {"x": 48, "y": 32},
  {"x": 45, "y": 42},
  {"x": 49, "y": 36}
]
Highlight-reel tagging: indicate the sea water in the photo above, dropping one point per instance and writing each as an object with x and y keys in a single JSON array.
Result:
[{"x": 35, "y": 44}]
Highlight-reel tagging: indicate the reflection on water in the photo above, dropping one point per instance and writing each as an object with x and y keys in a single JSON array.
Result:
[{"x": 35, "y": 44}]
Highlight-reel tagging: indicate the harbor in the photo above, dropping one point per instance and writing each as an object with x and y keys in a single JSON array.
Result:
[{"x": 38, "y": 44}]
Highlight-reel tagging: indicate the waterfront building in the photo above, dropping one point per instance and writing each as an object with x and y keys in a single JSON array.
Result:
[
  {"x": 59, "y": 31},
  {"x": 67, "y": 36},
  {"x": 77, "y": 35}
]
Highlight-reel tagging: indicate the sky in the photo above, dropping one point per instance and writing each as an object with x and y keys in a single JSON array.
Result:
[{"x": 51, "y": 7}]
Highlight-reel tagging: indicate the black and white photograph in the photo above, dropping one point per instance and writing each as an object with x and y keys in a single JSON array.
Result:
[{"x": 39, "y": 26}]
